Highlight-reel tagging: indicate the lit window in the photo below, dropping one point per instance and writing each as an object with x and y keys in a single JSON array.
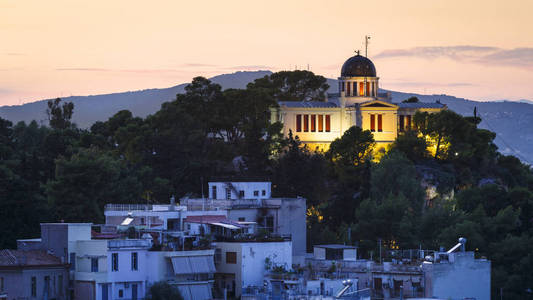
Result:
[
  {"x": 408, "y": 122},
  {"x": 313, "y": 123},
  {"x": 298, "y": 123},
  {"x": 328, "y": 123},
  {"x": 306, "y": 123},
  {"x": 372, "y": 123},
  {"x": 368, "y": 89},
  {"x": 320, "y": 123},
  {"x": 361, "y": 88},
  {"x": 380, "y": 122}
]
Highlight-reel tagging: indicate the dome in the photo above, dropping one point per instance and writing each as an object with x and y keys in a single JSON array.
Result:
[{"x": 358, "y": 66}]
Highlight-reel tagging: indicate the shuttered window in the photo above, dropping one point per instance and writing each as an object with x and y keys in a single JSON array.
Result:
[
  {"x": 313, "y": 123},
  {"x": 328, "y": 123},
  {"x": 380, "y": 123},
  {"x": 298, "y": 123},
  {"x": 320, "y": 123},
  {"x": 372, "y": 123}
]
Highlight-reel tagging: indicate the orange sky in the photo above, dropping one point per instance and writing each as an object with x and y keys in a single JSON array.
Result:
[{"x": 481, "y": 50}]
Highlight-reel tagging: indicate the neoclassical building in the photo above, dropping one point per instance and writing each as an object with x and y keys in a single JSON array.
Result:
[{"x": 358, "y": 102}]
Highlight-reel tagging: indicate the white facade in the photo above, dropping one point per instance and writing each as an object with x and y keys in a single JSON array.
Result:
[
  {"x": 239, "y": 190},
  {"x": 249, "y": 266},
  {"x": 461, "y": 276}
]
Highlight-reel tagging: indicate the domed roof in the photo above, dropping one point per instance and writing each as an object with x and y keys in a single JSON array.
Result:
[{"x": 358, "y": 66}]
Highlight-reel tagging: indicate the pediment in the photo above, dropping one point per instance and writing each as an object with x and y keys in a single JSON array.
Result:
[{"x": 378, "y": 103}]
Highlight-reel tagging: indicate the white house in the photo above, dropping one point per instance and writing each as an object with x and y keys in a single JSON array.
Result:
[{"x": 244, "y": 264}]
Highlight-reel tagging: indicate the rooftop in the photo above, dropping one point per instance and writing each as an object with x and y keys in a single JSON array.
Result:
[
  {"x": 308, "y": 104},
  {"x": 14, "y": 258},
  {"x": 335, "y": 246}
]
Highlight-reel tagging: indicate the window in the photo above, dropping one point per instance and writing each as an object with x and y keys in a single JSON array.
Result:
[
  {"x": 361, "y": 88},
  {"x": 242, "y": 219},
  {"x": 306, "y": 123},
  {"x": 60, "y": 284},
  {"x": 33, "y": 286},
  {"x": 348, "y": 90},
  {"x": 47, "y": 284},
  {"x": 270, "y": 223},
  {"x": 94, "y": 264},
  {"x": 120, "y": 293},
  {"x": 256, "y": 193},
  {"x": 380, "y": 122},
  {"x": 372, "y": 123},
  {"x": 343, "y": 86},
  {"x": 263, "y": 193},
  {"x": 231, "y": 257},
  {"x": 1, "y": 283},
  {"x": 313, "y": 123},
  {"x": 402, "y": 124},
  {"x": 328, "y": 123},
  {"x": 320, "y": 123},
  {"x": 228, "y": 193},
  {"x": 214, "y": 192},
  {"x": 354, "y": 92},
  {"x": 114, "y": 262},
  {"x": 134, "y": 261},
  {"x": 373, "y": 89},
  {"x": 408, "y": 122},
  {"x": 368, "y": 89},
  {"x": 241, "y": 194},
  {"x": 73, "y": 261},
  {"x": 143, "y": 221},
  {"x": 298, "y": 123}
]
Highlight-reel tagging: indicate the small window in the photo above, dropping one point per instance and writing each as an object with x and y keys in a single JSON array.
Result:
[
  {"x": 33, "y": 286},
  {"x": 231, "y": 257},
  {"x": 242, "y": 219},
  {"x": 241, "y": 194},
  {"x": 120, "y": 293},
  {"x": 228, "y": 193},
  {"x": 263, "y": 193},
  {"x": 214, "y": 192},
  {"x": 114, "y": 262},
  {"x": 94, "y": 264},
  {"x": 134, "y": 261},
  {"x": 256, "y": 193}
]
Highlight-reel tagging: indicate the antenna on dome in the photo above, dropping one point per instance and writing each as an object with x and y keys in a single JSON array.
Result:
[
  {"x": 367, "y": 38},
  {"x": 357, "y": 51}
]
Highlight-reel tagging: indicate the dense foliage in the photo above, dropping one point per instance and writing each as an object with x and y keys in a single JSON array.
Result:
[{"x": 443, "y": 180}]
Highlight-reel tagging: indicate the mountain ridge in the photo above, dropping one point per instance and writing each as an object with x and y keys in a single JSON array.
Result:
[{"x": 505, "y": 118}]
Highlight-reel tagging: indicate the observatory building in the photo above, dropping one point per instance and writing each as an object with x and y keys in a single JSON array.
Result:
[{"x": 358, "y": 102}]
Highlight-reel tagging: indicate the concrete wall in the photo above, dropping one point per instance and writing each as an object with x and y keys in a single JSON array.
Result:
[
  {"x": 17, "y": 283},
  {"x": 247, "y": 187},
  {"x": 292, "y": 221},
  {"x": 465, "y": 277}
]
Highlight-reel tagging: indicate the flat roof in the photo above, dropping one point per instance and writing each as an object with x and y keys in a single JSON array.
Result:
[{"x": 335, "y": 246}]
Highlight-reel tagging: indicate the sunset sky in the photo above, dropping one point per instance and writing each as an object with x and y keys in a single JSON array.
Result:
[{"x": 481, "y": 50}]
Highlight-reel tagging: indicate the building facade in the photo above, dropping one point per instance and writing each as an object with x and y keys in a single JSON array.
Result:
[{"x": 357, "y": 103}]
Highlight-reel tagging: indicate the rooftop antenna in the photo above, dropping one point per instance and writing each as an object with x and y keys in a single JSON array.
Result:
[
  {"x": 357, "y": 52},
  {"x": 367, "y": 38}
]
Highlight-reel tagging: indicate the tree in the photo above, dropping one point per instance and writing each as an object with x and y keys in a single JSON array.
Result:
[
  {"x": 353, "y": 148},
  {"x": 164, "y": 291},
  {"x": 296, "y": 85},
  {"x": 412, "y": 99},
  {"x": 411, "y": 145},
  {"x": 59, "y": 115}
]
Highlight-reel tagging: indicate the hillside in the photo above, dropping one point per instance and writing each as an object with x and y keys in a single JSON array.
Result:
[{"x": 510, "y": 120}]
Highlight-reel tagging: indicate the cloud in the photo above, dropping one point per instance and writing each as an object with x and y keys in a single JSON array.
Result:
[
  {"x": 517, "y": 57},
  {"x": 15, "y": 54},
  {"x": 119, "y": 70}
]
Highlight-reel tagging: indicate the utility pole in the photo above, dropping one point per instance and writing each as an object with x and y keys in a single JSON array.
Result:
[{"x": 367, "y": 38}]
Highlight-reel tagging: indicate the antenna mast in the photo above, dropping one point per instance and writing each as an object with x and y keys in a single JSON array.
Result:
[{"x": 367, "y": 38}]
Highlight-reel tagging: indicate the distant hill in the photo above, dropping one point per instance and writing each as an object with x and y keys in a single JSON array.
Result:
[{"x": 512, "y": 121}]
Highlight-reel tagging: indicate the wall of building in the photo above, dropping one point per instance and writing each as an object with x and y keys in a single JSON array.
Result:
[
  {"x": 337, "y": 126},
  {"x": 247, "y": 187},
  {"x": 254, "y": 256},
  {"x": 465, "y": 277},
  {"x": 292, "y": 221},
  {"x": 17, "y": 283}
]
